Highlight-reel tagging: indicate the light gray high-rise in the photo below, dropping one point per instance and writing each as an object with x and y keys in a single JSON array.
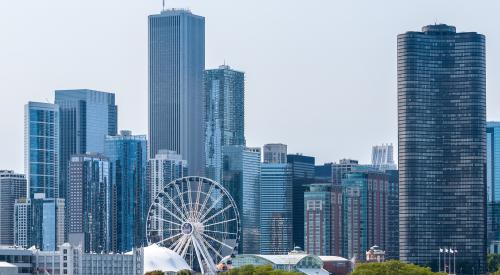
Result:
[
  {"x": 176, "y": 95},
  {"x": 12, "y": 187},
  {"x": 275, "y": 153}
]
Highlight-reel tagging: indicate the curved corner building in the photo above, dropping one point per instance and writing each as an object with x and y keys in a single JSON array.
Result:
[{"x": 442, "y": 147}]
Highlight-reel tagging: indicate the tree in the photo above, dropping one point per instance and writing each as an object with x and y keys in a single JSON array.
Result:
[
  {"x": 392, "y": 268},
  {"x": 156, "y": 272},
  {"x": 259, "y": 270},
  {"x": 493, "y": 262}
]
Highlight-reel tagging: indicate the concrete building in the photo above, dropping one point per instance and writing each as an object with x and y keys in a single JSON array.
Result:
[
  {"x": 275, "y": 153},
  {"x": 176, "y": 95},
  {"x": 12, "y": 188},
  {"x": 71, "y": 260},
  {"x": 317, "y": 219}
]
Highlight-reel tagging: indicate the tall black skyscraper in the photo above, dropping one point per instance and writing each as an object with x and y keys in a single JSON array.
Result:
[
  {"x": 442, "y": 146},
  {"x": 302, "y": 177}
]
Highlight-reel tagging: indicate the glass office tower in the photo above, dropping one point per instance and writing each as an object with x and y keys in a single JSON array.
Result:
[
  {"x": 176, "y": 95},
  {"x": 302, "y": 176},
  {"x": 86, "y": 118},
  {"x": 242, "y": 180},
  {"x": 41, "y": 148},
  {"x": 493, "y": 181},
  {"x": 442, "y": 146},
  {"x": 225, "y": 115},
  {"x": 89, "y": 203},
  {"x": 276, "y": 217},
  {"x": 128, "y": 160}
]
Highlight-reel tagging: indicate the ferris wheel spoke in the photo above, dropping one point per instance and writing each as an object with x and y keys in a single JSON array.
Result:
[
  {"x": 217, "y": 241},
  {"x": 211, "y": 247},
  {"x": 190, "y": 199},
  {"x": 203, "y": 250},
  {"x": 170, "y": 238},
  {"x": 225, "y": 221},
  {"x": 170, "y": 212},
  {"x": 198, "y": 256},
  {"x": 175, "y": 205},
  {"x": 181, "y": 198},
  {"x": 184, "y": 251},
  {"x": 163, "y": 220},
  {"x": 217, "y": 214},
  {"x": 198, "y": 193},
  {"x": 207, "y": 196},
  {"x": 211, "y": 207},
  {"x": 176, "y": 244}
]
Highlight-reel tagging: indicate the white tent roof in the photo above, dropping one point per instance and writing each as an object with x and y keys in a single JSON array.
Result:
[{"x": 164, "y": 259}]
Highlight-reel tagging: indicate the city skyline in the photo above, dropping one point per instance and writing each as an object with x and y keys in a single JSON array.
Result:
[{"x": 96, "y": 65}]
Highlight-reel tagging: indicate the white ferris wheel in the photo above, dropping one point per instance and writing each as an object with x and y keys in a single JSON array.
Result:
[{"x": 196, "y": 218}]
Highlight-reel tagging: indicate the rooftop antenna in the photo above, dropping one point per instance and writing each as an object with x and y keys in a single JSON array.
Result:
[{"x": 163, "y": 9}]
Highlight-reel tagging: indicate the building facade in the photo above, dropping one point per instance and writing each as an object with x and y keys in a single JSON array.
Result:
[
  {"x": 72, "y": 260},
  {"x": 12, "y": 188},
  {"x": 317, "y": 219},
  {"x": 89, "y": 203},
  {"x": 275, "y": 153},
  {"x": 41, "y": 148},
  {"x": 225, "y": 115},
  {"x": 392, "y": 236},
  {"x": 442, "y": 146},
  {"x": 383, "y": 157},
  {"x": 302, "y": 176},
  {"x": 86, "y": 118},
  {"x": 130, "y": 196},
  {"x": 241, "y": 177},
  {"x": 276, "y": 217},
  {"x": 176, "y": 95},
  {"x": 39, "y": 222},
  {"x": 365, "y": 212}
]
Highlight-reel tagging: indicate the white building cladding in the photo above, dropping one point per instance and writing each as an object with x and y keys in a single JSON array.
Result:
[
  {"x": 383, "y": 157},
  {"x": 176, "y": 95},
  {"x": 71, "y": 260}
]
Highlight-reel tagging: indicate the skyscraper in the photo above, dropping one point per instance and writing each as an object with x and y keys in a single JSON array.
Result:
[
  {"x": 164, "y": 168},
  {"x": 276, "y": 219},
  {"x": 12, "y": 188},
  {"x": 89, "y": 203},
  {"x": 365, "y": 211},
  {"x": 39, "y": 222},
  {"x": 176, "y": 95},
  {"x": 225, "y": 115},
  {"x": 302, "y": 176},
  {"x": 128, "y": 161},
  {"x": 392, "y": 236},
  {"x": 275, "y": 153},
  {"x": 317, "y": 219},
  {"x": 442, "y": 146},
  {"x": 86, "y": 118},
  {"x": 493, "y": 181},
  {"x": 241, "y": 177},
  {"x": 41, "y": 148},
  {"x": 383, "y": 157}
]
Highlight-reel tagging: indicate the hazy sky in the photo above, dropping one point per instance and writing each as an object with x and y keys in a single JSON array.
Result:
[{"x": 320, "y": 75}]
